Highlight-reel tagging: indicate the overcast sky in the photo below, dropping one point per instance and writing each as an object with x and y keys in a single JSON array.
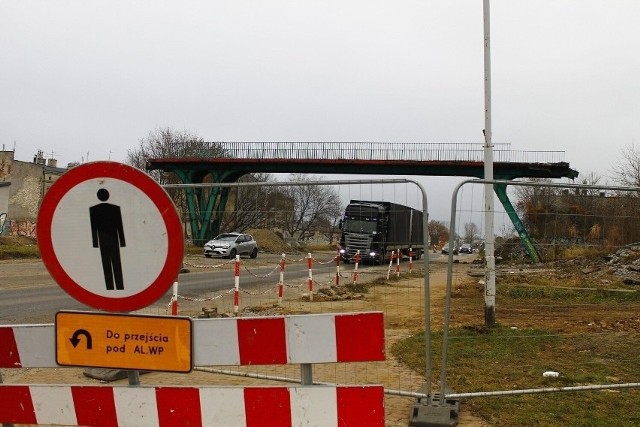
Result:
[{"x": 87, "y": 79}]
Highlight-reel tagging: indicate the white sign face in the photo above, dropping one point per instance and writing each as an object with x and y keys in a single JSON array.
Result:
[
  {"x": 141, "y": 253},
  {"x": 110, "y": 236}
]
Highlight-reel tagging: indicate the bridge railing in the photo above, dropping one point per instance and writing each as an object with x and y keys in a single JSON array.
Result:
[{"x": 395, "y": 151}]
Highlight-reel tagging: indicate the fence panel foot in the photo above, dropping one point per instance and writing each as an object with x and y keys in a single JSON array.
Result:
[{"x": 430, "y": 413}]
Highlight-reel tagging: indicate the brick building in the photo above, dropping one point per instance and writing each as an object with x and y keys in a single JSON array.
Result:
[{"x": 22, "y": 186}]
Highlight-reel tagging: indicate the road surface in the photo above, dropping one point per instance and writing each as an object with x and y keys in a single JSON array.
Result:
[{"x": 28, "y": 294}]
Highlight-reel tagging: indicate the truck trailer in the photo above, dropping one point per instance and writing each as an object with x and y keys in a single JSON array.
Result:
[{"x": 378, "y": 228}]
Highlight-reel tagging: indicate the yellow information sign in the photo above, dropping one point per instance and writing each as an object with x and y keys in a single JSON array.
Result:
[{"x": 124, "y": 341}]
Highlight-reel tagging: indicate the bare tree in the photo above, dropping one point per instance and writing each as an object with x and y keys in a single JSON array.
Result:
[
  {"x": 312, "y": 207},
  {"x": 166, "y": 142},
  {"x": 535, "y": 205},
  {"x": 438, "y": 232},
  {"x": 626, "y": 172},
  {"x": 579, "y": 215},
  {"x": 244, "y": 203},
  {"x": 248, "y": 207},
  {"x": 471, "y": 232},
  {"x": 590, "y": 178}
]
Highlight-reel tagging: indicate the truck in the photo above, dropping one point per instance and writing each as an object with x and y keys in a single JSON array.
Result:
[{"x": 376, "y": 228}]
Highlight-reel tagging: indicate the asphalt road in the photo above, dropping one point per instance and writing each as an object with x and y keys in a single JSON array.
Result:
[{"x": 29, "y": 295}]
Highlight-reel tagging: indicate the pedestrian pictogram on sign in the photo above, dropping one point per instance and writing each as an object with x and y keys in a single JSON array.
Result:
[
  {"x": 110, "y": 236},
  {"x": 107, "y": 233}
]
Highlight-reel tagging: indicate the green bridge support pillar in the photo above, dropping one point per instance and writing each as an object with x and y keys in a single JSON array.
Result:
[
  {"x": 205, "y": 207},
  {"x": 501, "y": 192}
]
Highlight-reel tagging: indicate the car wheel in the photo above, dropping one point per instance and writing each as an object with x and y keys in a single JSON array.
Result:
[
  {"x": 207, "y": 255},
  {"x": 254, "y": 253},
  {"x": 232, "y": 254}
]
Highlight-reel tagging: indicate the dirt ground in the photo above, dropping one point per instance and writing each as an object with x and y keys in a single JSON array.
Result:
[{"x": 402, "y": 303}]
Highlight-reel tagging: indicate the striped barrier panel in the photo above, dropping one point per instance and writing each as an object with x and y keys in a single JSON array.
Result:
[
  {"x": 192, "y": 406},
  {"x": 298, "y": 339},
  {"x": 303, "y": 339}
]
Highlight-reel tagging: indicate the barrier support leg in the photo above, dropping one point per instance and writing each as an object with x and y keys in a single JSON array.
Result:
[
  {"x": 306, "y": 374},
  {"x": 134, "y": 377},
  {"x": 432, "y": 413}
]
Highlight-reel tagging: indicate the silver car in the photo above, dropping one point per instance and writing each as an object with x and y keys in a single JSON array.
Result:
[{"x": 229, "y": 245}]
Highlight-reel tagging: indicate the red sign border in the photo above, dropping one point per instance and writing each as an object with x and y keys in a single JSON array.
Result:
[{"x": 161, "y": 200}]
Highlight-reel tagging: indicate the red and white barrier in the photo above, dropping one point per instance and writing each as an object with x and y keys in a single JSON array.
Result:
[
  {"x": 310, "y": 279},
  {"x": 321, "y": 338},
  {"x": 174, "y": 299},
  {"x": 338, "y": 269},
  {"x": 398, "y": 256},
  {"x": 316, "y": 338},
  {"x": 236, "y": 286},
  {"x": 281, "y": 283},
  {"x": 28, "y": 346},
  {"x": 196, "y": 406},
  {"x": 355, "y": 268}
]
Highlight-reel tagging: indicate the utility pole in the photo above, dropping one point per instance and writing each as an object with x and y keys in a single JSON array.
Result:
[{"x": 490, "y": 269}]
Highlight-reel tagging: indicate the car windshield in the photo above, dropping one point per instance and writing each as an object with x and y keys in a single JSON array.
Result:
[{"x": 227, "y": 237}]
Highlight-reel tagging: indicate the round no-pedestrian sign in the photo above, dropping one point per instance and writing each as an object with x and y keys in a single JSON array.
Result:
[{"x": 110, "y": 236}]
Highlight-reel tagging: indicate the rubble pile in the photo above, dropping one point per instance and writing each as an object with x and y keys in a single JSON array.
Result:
[{"x": 624, "y": 263}]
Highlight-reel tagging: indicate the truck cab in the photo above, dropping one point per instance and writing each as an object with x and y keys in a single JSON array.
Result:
[{"x": 363, "y": 229}]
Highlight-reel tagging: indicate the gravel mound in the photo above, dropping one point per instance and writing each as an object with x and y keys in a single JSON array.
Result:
[{"x": 268, "y": 241}]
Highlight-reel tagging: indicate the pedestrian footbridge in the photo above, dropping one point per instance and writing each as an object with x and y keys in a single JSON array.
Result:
[{"x": 225, "y": 162}]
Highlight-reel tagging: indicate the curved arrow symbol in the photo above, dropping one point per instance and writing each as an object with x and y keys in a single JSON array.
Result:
[{"x": 75, "y": 340}]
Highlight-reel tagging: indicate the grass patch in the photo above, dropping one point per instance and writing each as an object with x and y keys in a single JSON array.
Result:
[
  {"x": 568, "y": 287},
  {"x": 193, "y": 250},
  {"x": 357, "y": 288},
  {"x": 565, "y": 252},
  {"x": 589, "y": 336},
  {"x": 596, "y": 295},
  {"x": 502, "y": 358},
  {"x": 12, "y": 247},
  {"x": 572, "y": 252}
]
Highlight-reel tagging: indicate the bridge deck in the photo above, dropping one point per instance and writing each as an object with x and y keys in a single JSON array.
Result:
[{"x": 365, "y": 158}]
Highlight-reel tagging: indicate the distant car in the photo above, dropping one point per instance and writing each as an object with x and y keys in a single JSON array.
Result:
[
  {"x": 466, "y": 249},
  {"x": 229, "y": 245},
  {"x": 445, "y": 250}
]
